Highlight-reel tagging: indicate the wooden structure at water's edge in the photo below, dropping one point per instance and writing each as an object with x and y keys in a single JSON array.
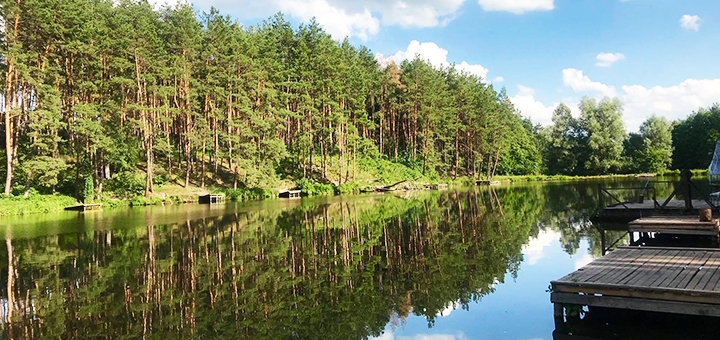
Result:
[
  {"x": 290, "y": 194},
  {"x": 677, "y": 225},
  {"x": 84, "y": 207},
  {"x": 487, "y": 182},
  {"x": 646, "y": 204},
  {"x": 659, "y": 279},
  {"x": 211, "y": 198}
]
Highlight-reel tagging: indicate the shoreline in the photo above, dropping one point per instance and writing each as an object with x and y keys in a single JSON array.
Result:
[{"x": 39, "y": 203}]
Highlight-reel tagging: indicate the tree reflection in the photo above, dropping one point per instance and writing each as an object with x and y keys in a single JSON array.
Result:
[
  {"x": 342, "y": 269},
  {"x": 334, "y": 270}
]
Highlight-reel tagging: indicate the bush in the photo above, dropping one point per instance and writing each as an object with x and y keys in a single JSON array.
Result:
[
  {"x": 245, "y": 194},
  {"x": 140, "y": 201},
  {"x": 312, "y": 188},
  {"x": 34, "y": 203},
  {"x": 349, "y": 188},
  {"x": 126, "y": 184}
]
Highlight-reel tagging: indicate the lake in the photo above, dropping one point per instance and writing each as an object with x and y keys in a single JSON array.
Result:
[{"x": 471, "y": 263}]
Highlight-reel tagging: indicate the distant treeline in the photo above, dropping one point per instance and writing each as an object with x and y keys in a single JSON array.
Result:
[
  {"x": 97, "y": 91},
  {"x": 98, "y": 88},
  {"x": 597, "y": 143}
]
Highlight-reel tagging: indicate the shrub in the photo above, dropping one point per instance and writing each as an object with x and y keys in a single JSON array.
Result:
[
  {"x": 126, "y": 184},
  {"x": 312, "y": 188}
]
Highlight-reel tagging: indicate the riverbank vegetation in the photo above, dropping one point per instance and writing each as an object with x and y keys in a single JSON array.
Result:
[{"x": 117, "y": 100}]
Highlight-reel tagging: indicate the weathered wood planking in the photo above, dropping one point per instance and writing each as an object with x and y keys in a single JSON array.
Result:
[
  {"x": 672, "y": 205},
  {"x": 675, "y": 280},
  {"x": 685, "y": 225},
  {"x": 84, "y": 207}
]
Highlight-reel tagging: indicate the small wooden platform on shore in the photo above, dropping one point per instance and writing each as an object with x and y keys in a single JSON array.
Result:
[
  {"x": 84, "y": 207},
  {"x": 487, "y": 182},
  {"x": 290, "y": 194},
  {"x": 669, "y": 280},
  {"x": 211, "y": 198}
]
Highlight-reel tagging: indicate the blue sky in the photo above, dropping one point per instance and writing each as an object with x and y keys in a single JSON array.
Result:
[{"x": 657, "y": 56}]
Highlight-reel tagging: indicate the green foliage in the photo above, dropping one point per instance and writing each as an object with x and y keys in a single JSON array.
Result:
[
  {"x": 561, "y": 143},
  {"x": 603, "y": 135},
  {"x": 312, "y": 188},
  {"x": 349, "y": 188},
  {"x": 127, "y": 184},
  {"x": 248, "y": 194},
  {"x": 141, "y": 201},
  {"x": 694, "y": 138},
  {"x": 33, "y": 204},
  {"x": 88, "y": 193}
]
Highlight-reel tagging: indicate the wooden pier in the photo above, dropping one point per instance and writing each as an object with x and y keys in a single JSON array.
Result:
[
  {"x": 676, "y": 225},
  {"x": 628, "y": 211},
  {"x": 659, "y": 279},
  {"x": 84, "y": 207},
  {"x": 290, "y": 194},
  {"x": 211, "y": 198},
  {"x": 487, "y": 182}
]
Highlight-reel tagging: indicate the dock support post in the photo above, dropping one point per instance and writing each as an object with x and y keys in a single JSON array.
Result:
[
  {"x": 687, "y": 188},
  {"x": 558, "y": 314}
]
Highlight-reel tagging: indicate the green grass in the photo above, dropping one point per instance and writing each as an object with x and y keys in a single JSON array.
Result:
[{"x": 33, "y": 204}]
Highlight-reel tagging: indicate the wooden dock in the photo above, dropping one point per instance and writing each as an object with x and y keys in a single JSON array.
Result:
[
  {"x": 668, "y": 280},
  {"x": 84, "y": 207},
  {"x": 678, "y": 225},
  {"x": 628, "y": 211},
  {"x": 211, "y": 198},
  {"x": 487, "y": 182},
  {"x": 290, "y": 194}
]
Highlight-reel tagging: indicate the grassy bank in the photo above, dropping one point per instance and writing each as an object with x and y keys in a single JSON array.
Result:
[
  {"x": 367, "y": 175},
  {"x": 33, "y": 204}
]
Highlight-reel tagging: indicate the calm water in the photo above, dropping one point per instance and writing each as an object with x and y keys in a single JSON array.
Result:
[{"x": 456, "y": 264}]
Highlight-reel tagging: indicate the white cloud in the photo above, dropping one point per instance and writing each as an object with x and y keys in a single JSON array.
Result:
[
  {"x": 517, "y": 6},
  {"x": 336, "y": 21},
  {"x": 690, "y": 22},
  {"x": 532, "y": 108},
  {"x": 583, "y": 261},
  {"x": 534, "y": 250},
  {"x": 342, "y": 18},
  {"x": 673, "y": 102},
  {"x": 498, "y": 79},
  {"x": 391, "y": 336},
  {"x": 581, "y": 83},
  {"x": 448, "y": 309},
  {"x": 434, "y": 54},
  {"x": 607, "y": 59},
  {"x": 639, "y": 102}
]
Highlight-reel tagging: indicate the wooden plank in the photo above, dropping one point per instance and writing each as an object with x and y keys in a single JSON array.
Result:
[
  {"x": 693, "y": 270},
  {"x": 591, "y": 268},
  {"x": 676, "y": 307},
  {"x": 640, "y": 258},
  {"x": 670, "y": 294},
  {"x": 602, "y": 266},
  {"x": 669, "y": 272},
  {"x": 697, "y": 232},
  {"x": 676, "y": 270},
  {"x": 688, "y": 270},
  {"x": 650, "y": 273},
  {"x": 708, "y": 271}
]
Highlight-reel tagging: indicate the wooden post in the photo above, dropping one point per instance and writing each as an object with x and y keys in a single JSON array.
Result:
[
  {"x": 558, "y": 314},
  {"x": 685, "y": 176},
  {"x": 705, "y": 215}
]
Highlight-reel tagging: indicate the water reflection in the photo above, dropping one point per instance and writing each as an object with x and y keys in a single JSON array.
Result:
[{"x": 332, "y": 269}]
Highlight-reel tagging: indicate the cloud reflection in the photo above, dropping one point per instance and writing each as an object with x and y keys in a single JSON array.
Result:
[{"x": 534, "y": 250}]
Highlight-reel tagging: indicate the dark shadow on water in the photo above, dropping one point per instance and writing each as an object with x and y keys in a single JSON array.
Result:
[{"x": 611, "y": 324}]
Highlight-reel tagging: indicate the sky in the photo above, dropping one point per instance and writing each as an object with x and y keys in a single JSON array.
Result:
[{"x": 657, "y": 56}]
